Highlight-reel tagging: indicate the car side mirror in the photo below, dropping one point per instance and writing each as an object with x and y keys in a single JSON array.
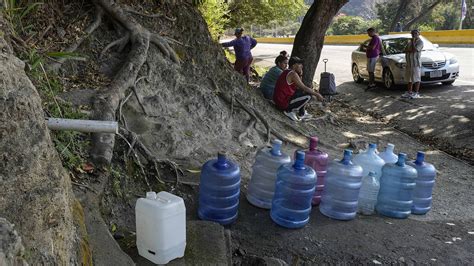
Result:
[{"x": 436, "y": 45}]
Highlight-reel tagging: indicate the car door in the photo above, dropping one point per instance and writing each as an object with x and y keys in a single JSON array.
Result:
[{"x": 361, "y": 59}]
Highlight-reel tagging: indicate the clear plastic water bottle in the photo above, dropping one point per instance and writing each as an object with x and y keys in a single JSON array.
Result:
[
  {"x": 219, "y": 190},
  {"x": 318, "y": 160},
  {"x": 264, "y": 171},
  {"x": 396, "y": 189},
  {"x": 368, "y": 194},
  {"x": 370, "y": 161},
  {"x": 341, "y": 191},
  {"x": 422, "y": 196},
  {"x": 387, "y": 155},
  {"x": 294, "y": 190}
]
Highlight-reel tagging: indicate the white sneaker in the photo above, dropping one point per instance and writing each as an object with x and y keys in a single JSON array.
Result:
[
  {"x": 291, "y": 115},
  {"x": 407, "y": 95},
  {"x": 306, "y": 115},
  {"x": 415, "y": 96}
]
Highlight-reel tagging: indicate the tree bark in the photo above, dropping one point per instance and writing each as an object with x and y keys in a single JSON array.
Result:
[
  {"x": 310, "y": 37},
  {"x": 422, "y": 15},
  {"x": 401, "y": 10},
  {"x": 105, "y": 105}
]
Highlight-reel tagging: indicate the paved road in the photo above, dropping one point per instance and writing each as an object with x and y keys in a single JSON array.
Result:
[
  {"x": 444, "y": 116},
  {"x": 340, "y": 60}
]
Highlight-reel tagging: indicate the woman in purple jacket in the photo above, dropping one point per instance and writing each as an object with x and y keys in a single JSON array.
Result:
[{"x": 242, "y": 46}]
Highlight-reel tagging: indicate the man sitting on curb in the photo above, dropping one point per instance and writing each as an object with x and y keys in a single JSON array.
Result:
[{"x": 291, "y": 95}]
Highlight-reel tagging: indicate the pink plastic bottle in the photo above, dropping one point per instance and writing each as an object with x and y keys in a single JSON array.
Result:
[{"x": 318, "y": 160}]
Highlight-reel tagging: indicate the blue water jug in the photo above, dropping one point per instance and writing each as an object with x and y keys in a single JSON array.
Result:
[
  {"x": 422, "y": 196},
  {"x": 387, "y": 155},
  {"x": 368, "y": 194},
  {"x": 396, "y": 189},
  {"x": 294, "y": 190},
  {"x": 219, "y": 190},
  {"x": 264, "y": 171},
  {"x": 370, "y": 161},
  {"x": 341, "y": 193}
]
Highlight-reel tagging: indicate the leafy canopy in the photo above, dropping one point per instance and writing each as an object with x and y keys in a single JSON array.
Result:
[
  {"x": 348, "y": 25},
  {"x": 263, "y": 12},
  {"x": 215, "y": 13}
]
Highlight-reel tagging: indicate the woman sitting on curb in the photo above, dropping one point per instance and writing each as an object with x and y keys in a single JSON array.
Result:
[{"x": 267, "y": 86}]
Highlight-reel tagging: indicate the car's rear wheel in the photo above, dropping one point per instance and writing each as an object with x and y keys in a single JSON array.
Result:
[
  {"x": 355, "y": 74},
  {"x": 448, "y": 82},
  {"x": 388, "y": 79}
]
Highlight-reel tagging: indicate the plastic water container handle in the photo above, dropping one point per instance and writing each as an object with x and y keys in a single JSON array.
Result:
[{"x": 163, "y": 200}]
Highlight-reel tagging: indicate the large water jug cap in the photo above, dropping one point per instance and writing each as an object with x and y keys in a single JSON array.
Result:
[
  {"x": 371, "y": 173},
  {"x": 276, "y": 147},
  {"x": 151, "y": 195},
  {"x": 313, "y": 143},
  {"x": 390, "y": 147},
  {"x": 221, "y": 160},
  {"x": 299, "y": 160},
  {"x": 347, "y": 157},
  {"x": 401, "y": 159},
  {"x": 372, "y": 146},
  {"x": 420, "y": 158}
]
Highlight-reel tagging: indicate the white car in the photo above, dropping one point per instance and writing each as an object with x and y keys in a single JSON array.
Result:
[{"x": 437, "y": 66}]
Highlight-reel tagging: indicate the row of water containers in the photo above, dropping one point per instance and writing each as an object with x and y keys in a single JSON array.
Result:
[
  {"x": 342, "y": 187},
  {"x": 366, "y": 182}
]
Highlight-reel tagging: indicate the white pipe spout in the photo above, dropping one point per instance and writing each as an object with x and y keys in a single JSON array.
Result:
[{"x": 82, "y": 125}]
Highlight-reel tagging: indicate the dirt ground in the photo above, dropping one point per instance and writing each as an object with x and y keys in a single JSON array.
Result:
[{"x": 443, "y": 236}]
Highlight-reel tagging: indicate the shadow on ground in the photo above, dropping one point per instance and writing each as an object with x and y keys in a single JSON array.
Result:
[{"x": 442, "y": 117}]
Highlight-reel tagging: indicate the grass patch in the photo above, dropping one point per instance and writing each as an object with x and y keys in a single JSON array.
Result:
[
  {"x": 261, "y": 70},
  {"x": 72, "y": 146}
]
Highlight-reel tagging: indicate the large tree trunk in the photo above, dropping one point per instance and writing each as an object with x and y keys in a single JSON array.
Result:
[
  {"x": 310, "y": 37},
  {"x": 401, "y": 10}
]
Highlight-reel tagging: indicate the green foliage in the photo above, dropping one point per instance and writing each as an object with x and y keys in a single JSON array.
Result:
[
  {"x": 264, "y": 12},
  {"x": 445, "y": 16},
  {"x": 72, "y": 146},
  {"x": 230, "y": 56},
  {"x": 261, "y": 70},
  {"x": 116, "y": 184},
  {"x": 16, "y": 10},
  {"x": 349, "y": 25},
  {"x": 215, "y": 13}
]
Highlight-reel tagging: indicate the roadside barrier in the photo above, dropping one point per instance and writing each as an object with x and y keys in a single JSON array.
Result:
[{"x": 440, "y": 37}]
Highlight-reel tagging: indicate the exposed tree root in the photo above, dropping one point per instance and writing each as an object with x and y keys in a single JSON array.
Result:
[
  {"x": 257, "y": 115},
  {"x": 120, "y": 42},
  {"x": 156, "y": 162},
  {"x": 164, "y": 47},
  {"x": 246, "y": 132},
  {"x": 129, "y": 10},
  {"x": 99, "y": 13},
  {"x": 106, "y": 104}
]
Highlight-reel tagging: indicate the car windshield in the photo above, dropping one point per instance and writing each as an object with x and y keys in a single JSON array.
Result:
[{"x": 397, "y": 45}]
